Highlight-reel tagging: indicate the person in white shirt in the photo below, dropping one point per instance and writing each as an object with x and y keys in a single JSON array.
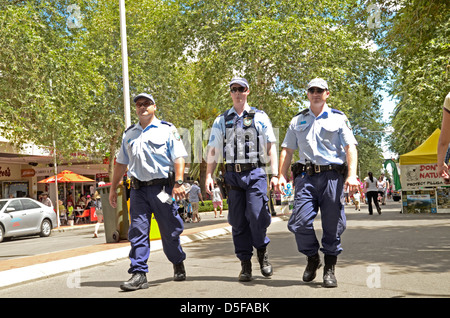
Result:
[
  {"x": 382, "y": 188},
  {"x": 217, "y": 200},
  {"x": 372, "y": 192}
]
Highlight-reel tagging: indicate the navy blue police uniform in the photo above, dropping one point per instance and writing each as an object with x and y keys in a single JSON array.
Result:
[
  {"x": 150, "y": 154},
  {"x": 243, "y": 140},
  {"x": 319, "y": 180}
]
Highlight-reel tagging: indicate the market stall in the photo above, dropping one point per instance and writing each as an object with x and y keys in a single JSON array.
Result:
[{"x": 423, "y": 190}]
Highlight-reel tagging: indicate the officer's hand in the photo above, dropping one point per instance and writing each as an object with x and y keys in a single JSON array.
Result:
[
  {"x": 281, "y": 184},
  {"x": 352, "y": 183},
  {"x": 178, "y": 192},
  {"x": 209, "y": 185},
  {"x": 443, "y": 172},
  {"x": 113, "y": 198},
  {"x": 273, "y": 183}
]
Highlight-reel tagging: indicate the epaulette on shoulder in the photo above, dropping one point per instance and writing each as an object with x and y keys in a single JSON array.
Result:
[
  {"x": 132, "y": 126},
  {"x": 337, "y": 111},
  {"x": 303, "y": 112},
  {"x": 166, "y": 123},
  {"x": 257, "y": 110}
]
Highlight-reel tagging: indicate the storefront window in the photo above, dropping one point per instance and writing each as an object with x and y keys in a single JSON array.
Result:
[{"x": 16, "y": 189}]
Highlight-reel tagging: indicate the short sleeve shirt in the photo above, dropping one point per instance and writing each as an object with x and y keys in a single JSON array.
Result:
[
  {"x": 447, "y": 103},
  {"x": 262, "y": 123},
  {"x": 263, "y": 126},
  {"x": 150, "y": 153},
  {"x": 193, "y": 193},
  {"x": 322, "y": 139}
]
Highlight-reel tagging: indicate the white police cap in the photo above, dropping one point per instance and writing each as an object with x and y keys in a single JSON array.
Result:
[
  {"x": 240, "y": 81},
  {"x": 318, "y": 82},
  {"x": 144, "y": 95}
]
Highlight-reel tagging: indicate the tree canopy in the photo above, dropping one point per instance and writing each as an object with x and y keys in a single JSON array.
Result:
[{"x": 61, "y": 71}]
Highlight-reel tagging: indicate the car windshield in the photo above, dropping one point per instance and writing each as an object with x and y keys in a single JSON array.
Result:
[{"x": 2, "y": 204}]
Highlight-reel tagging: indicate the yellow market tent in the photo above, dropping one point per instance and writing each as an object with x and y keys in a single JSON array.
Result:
[{"x": 425, "y": 153}]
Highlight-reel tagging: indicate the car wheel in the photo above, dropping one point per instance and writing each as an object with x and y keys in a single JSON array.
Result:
[
  {"x": 1, "y": 233},
  {"x": 46, "y": 228}
]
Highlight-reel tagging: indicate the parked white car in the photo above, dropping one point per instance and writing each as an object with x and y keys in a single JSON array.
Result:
[{"x": 25, "y": 216}]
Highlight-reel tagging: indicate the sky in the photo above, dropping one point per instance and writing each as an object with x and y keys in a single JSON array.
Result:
[{"x": 387, "y": 106}]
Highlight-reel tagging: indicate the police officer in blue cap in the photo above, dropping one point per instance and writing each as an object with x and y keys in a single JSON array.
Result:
[
  {"x": 328, "y": 159},
  {"x": 244, "y": 137},
  {"x": 154, "y": 154}
]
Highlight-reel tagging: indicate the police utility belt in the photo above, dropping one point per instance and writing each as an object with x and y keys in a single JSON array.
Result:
[
  {"x": 170, "y": 181},
  {"x": 312, "y": 169},
  {"x": 239, "y": 167}
]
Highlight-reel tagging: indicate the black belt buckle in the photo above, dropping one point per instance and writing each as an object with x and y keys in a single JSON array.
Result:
[
  {"x": 237, "y": 167},
  {"x": 316, "y": 169}
]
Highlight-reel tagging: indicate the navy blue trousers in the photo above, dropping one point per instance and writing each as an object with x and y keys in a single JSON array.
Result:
[
  {"x": 143, "y": 202},
  {"x": 248, "y": 211},
  {"x": 325, "y": 191}
]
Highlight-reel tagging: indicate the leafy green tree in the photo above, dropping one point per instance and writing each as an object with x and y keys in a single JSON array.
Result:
[
  {"x": 415, "y": 41},
  {"x": 65, "y": 83}
]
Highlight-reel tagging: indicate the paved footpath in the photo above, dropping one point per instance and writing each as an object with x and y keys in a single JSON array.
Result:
[{"x": 391, "y": 255}]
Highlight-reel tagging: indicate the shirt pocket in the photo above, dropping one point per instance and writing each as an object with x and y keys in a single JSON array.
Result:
[
  {"x": 329, "y": 135},
  {"x": 302, "y": 131},
  {"x": 158, "y": 143}
]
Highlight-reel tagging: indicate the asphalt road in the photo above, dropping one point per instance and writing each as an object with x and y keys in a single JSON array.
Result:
[{"x": 391, "y": 255}]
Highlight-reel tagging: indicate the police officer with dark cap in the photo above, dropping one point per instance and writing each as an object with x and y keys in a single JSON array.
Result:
[
  {"x": 328, "y": 159},
  {"x": 244, "y": 137},
  {"x": 154, "y": 154}
]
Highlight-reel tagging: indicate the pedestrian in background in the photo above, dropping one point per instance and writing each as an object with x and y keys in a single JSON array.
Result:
[
  {"x": 243, "y": 136},
  {"x": 382, "y": 189},
  {"x": 98, "y": 212},
  {"x": 195, "y": 196},
  {"x": 372, "y": 192},
  {"x": 327, "y": 164},
  {"x": 154, "y": 154},
  {"x": 217, "y": 200}
]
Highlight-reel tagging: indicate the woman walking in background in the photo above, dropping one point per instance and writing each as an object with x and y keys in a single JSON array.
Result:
[{"x": 372, "y": 192}]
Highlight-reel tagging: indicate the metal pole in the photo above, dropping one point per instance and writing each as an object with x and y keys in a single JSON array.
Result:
[
  {"x": 56, "y": 184},
  {"x": 126, "y": 87}
]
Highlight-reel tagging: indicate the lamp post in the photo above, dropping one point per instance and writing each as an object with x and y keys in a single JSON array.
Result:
[{"x": 126, "y": 86}]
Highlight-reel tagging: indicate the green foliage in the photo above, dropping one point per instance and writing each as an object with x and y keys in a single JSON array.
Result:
[
  {"x": 417, "y": 45},
  {"x": 65, "y": 84}
]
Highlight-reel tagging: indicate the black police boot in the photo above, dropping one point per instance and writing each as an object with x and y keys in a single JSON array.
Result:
[
  {"x": 179, "y": 273},
  {"x": 263, "y": 259},
  {"x": 246, "y": 273},
  {"x": 137, "y": 281},
  {"x": 313, "y": 265},
  {"x": 329, "y": 280}
]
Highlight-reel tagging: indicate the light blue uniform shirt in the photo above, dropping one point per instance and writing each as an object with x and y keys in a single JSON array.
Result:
[
  {"x": 262, "y": 123},
  {"x": 320, "y": 139},
  {"x": 150, "y": 153}
]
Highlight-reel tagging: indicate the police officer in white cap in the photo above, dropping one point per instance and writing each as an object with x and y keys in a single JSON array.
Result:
[
  {"x": 243, "y": 135},
  {"x": 328, "y": 160},
  {"x": 154, "y": 154}
]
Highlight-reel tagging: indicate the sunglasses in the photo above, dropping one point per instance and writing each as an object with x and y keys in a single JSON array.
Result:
[
  {"x": 238, "y": 89},
  {"x": 145, "y": 104},
  {"x": 316, "y": 90}
]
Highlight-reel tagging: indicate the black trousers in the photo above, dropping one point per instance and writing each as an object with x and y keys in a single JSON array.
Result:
[{"x": 372, "y": 195}]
